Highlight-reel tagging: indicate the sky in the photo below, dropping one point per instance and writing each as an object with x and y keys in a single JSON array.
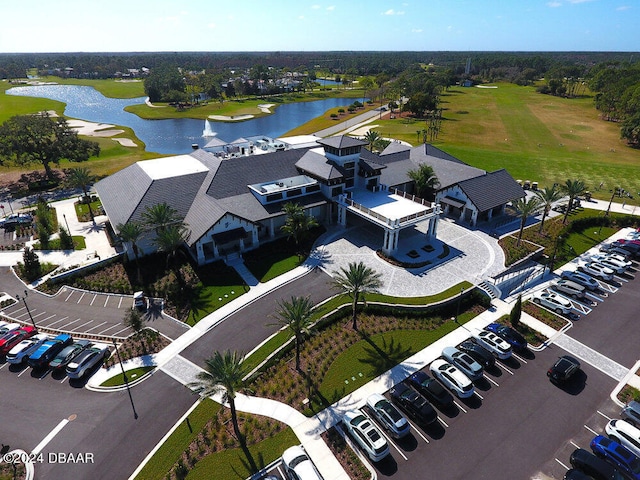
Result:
[{"x": 301, "y": 25}]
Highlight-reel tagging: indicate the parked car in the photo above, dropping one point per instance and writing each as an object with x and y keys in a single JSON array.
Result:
[
  {"x": 464, "y": 362},
  {"x": 611, "y": 262},
  {"x": 11, "y": 339},
  {"x": 575, "y": 474},
  {"x": 452, "y": 378},
  {"x": 492, "y": 342},
  {"x": 625, "y": 434},
  {"x": 593, "y": 466},
  {"x": 15, "y": 219},
  {"x": 20, "y": 352},
  {"x": 569, "y": 288},
  {"x": 388, "y": 415},
  {"x": 583, "y": 279},
  {"x": 617, "y": 455},
  {"x": 87, "y": 359},
  {"x": 481, "y": 355},
  {"x": 633, "y": 235},
  {"x": 48, "y": 350},
  {"x": 413, "y": 403},
  {"x": 632, "y": 246},
  {"x": 366, "y": 434},
  {"x": 631, "y": 413},
  {"x": 430, "y": 388},
  {"x": 597, "y": 270},
  {"x": 140, "y": 301},
  {"x": 553, "y": 301},
  {"x": 8, "y": 327},
  {"x": 511, "y": 335},
  {"x": 298, "y": 465},
  {"x": 564, "y": 368},
  {"x": 64, "y": 357}
]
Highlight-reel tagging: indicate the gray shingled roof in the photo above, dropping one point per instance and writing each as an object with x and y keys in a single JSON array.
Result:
[
  {"x": 395, "y": 147},
  {"x": 318, "y": 166},
  {"x": 491, "y": 190},
  {"x": 121, "y": 193},
  {"x": 342, "y": 141}
]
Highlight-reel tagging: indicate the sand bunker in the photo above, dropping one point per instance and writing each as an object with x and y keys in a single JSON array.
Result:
[
  {"x": 92, "y": 129},
  {"x": 266, "y": 107},
  {"x": 125, "y": 142}
]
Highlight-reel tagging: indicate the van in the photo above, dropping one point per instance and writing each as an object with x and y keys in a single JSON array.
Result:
[
  {"x": 567, "y": 287},
  {"x": 625, "y": 434}
]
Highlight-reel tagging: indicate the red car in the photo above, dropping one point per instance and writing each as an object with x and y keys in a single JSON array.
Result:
[
  {"x": 8, "y": 341},
  {"x": 626, "y": 240}
]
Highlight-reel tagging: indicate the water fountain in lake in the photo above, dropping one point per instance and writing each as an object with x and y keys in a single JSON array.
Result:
[{"x": 208, "y": 131}]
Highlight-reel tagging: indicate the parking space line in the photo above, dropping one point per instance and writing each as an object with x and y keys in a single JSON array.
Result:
[
  {"x": 101, "y": 332},
  {"x": 57, "y": 321},
  {"x": 519, "y": 358},
  {"x": 86, "y": 323},
  {"x": 120, "y": 331},
  {"x": 97, "y": 326},
  {"x": 417, "y": 430},
  {"x": 479, "y": 396},
  {"x": 72, "y": 322},
  {"x": 460, "y": 406},
  {"x": 574, "y": 444},
  {"x": 81, "y": 297},
  {"x": 489, "y": 379},
  {"x": 106, "y": 300},
  {"x": 50, "y": 316},
  {"x": 3, "y": 365},
  {"x": 69, "y": 296},
  {"x": 384, "y": 433},
  {"x": 49, "y": 437},
  {"x": 22, "y": 372},
  {"x": 443, "y": 422},
  {"x": 562, "y": 464},
  {"x": 120, "y": 302},
  {"x": 93, "y": 299},
  {"x": 64, "y": 379},
  {"x": 591, "y": 430},
  {"x": 504, "y": 368},
  {"x": 608, "y": 418}
]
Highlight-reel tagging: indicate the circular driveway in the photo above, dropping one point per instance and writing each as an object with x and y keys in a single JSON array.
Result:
[{"x": 473, "y": 256}]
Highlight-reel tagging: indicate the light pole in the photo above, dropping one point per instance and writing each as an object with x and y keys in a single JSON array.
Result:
[
  {"x": 24, "y": 300},
  {"x": 553, "y": 256},
  {"x": 126, "y": 380},
  {"x": 455, "y": 319},
  {"x": 66, "y": 223}
]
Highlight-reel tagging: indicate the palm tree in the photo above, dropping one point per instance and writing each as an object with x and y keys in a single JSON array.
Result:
[
  {"x": 81, "y": 178},
  {"x": 296, "y": 316},
  {"x": 159, "y": 216},
  {"x": 425, "y": 180},
  {"x": 372, "y": 137},
  {"x": 169, "y": 240},
  {"x": 224, "y": 373},
  {"x": 357, "y": 280},
  {"x": 131, "y": 232},
  {"x": 572, "y": 188},
  {"x": 525, "y": 207},
  {"x": 547, "y": 197},
  {"x": 297, "y": 222}
]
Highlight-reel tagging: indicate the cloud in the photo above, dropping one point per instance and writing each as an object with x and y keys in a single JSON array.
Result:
[
  {"x": 211, "y": 25},
  {"x": 331, "y": 8},
  {"x": 579, "y": 1},
  {"x": 416, "y": 30},
  {"x": 554, "y": 4},
  {"x": 391, "y": 11},
  {"x": 623, "y": 8}
]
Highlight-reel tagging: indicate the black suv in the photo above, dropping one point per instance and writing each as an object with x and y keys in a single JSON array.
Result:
[
  {"x": 480, "y": 354},
  {"x": 593, "y": 466},
  {"x": 564, "y": 368}
]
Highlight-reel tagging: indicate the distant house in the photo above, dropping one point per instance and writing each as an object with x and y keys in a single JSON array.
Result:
[{"x": 231, "y": 204}]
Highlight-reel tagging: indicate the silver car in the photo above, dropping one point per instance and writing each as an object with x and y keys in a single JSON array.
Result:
[
  {"x": 89, "y": 358},
  {"x": 464, "y": 362},
  {"x": 598, "y": 270},
  {"x": 388, "y": 415}
]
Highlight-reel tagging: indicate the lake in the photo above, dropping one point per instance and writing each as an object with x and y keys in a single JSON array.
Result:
[{"x": 174, "y": 136}]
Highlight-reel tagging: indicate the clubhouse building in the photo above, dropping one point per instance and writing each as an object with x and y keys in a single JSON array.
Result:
[{"x": 231, "y": 204}]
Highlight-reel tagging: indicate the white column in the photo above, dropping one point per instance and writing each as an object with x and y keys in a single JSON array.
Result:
[
  {"x": 254, "y": 236},
  {"x": 200, "y": 254},
  {"x": 474, "y": 217},
  {"x": 216, "y": 253},
  {"x": 395, "y": 236},
  {"x": 342, "y": 215},
  {"x": 272, "y": 233},
  {"x": 385, "y": 243}
]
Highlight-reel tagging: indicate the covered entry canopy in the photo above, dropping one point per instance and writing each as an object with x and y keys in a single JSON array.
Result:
[{"x": 454, "y": 202}]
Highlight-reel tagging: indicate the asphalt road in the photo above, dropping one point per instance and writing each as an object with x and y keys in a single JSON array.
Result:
[{"x": 248, "y": 327}]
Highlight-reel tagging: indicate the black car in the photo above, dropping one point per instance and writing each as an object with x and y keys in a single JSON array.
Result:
[
  {"x": 564, "y": 368},
  {"x": 480, "y": 354},
  {"x": 593, "y": 466},
  {"x": 511, "y": 335},
  {"x": 413, "y": 403},
  {"x": 630, "y": 247},
  {"x": 575, "y": 474},
  {"x": 430, "y": 388}
]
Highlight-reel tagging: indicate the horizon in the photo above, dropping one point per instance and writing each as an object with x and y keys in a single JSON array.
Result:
[{"x": 198, "y": 26}]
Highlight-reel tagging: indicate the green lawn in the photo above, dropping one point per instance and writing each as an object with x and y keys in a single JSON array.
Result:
[
  {"x": 54, "y": 244},
  {"x": 535, "y": 137},
  {"x": 232, "y": 463},
  {"x": 133, "y": 374}
]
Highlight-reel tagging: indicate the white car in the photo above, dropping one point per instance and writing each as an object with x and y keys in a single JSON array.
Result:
[
  {"x": 581, "y": 279},
  {"x": 452, "y": 378},
  {"x": 495, "y": 344},
  {"x": 20, "y": 352},
  {"x": 553, "y": 301},
  {"x": 8, "y": 327},
  {"x": 388, "y": 415},
  {"x": 366, "y": 434},
  {"x": 625, "y": 434},
  {"x": 598, "y": 270},
  {"x": 614, "y": 263},
  {"x": 633, "y": 235},
  {"x": 298, "y": 465},
  {"x": 464, "y": 362}
]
